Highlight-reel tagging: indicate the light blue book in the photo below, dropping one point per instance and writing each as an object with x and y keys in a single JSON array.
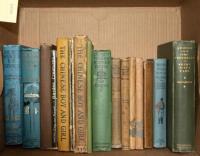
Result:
[
  {"x": 159, "y": 103},
  {"x": 30, "y": 79},
  {"x": 13, "y": 103}
]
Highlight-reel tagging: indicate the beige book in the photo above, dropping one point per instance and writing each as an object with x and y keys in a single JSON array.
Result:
[
  {"x": 139, "y": 104},
  {"x": 125, "y": 103},
  {"x": 132, "y": 85},
  {"x": 116, "y": 108}
]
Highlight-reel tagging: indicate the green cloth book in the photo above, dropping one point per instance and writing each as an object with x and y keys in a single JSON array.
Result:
[
  {"x": 182, "y": 56},
  {"x": 101, "y": 100}
]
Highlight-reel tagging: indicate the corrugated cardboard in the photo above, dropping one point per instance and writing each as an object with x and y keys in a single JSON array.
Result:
[{"x": 126, "y": 31}]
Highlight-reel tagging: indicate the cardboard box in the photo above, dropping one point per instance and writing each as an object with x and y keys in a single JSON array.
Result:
[{"x": 127, "y": 27}]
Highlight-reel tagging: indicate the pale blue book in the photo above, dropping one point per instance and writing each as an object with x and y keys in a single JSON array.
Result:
[{"x": 159, "y": 103}]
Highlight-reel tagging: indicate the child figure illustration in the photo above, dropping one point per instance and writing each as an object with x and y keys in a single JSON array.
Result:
[{"x": 160, "y": 108}]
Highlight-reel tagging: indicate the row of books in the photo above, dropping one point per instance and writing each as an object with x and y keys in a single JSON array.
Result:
[{"x": 71, "y": 97}]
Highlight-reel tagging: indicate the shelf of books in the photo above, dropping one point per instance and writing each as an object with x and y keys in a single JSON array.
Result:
[{"x": 100, "y": 78}]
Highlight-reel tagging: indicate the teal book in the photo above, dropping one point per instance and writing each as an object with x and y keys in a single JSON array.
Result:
[
  {"x": 31, "y": 88},
  {"x": 12, "y": 95},
  {"x": 101, "y": 101},
  {"x": 159, "y": 103},
  {"x": 182, "y": 60}
]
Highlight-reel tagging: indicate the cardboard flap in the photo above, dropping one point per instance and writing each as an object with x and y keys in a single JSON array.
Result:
[{"x": 1, "y": 73}]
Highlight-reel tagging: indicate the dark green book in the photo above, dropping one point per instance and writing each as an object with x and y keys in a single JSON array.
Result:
[
  {"x": 182, "y": 56},
  {"x": 101, "y": 100}
]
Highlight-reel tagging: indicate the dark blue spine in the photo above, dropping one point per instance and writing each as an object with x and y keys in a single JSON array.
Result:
[
  {"x": 31, "y": 89},
  {"x": 13, "y": 104}
]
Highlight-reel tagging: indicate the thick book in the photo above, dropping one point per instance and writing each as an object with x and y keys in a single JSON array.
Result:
[
  {"x": 45, "y": 97},
  {"x": 148, "y": 103},
  {"x": 139, "y": 105},
  {"x": 80, "y": 86},
  {"x": 2, "y": 140},
  {"x": 63, "y": 111},
  {"x": 101, "y": 101},
  {"x": 13, "y": 104},
  {"x": 125, "y": 109},
  {"x": 90, "y": 49},
  {"x": 159, "y": 103},
  {"x": 54, "y": 95},
  {"x": 116, "y": 104},
  {"x": 30, "y": 58},
  {"x": 182, "y": 60},
  {"x": 132, "y": 98}
]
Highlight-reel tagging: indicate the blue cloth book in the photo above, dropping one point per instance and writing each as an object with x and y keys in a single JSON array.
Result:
[
  {"x": 159, "y": 103},
  {"x": 30, "y": 79},
  {"x": 13, "y": 105}
]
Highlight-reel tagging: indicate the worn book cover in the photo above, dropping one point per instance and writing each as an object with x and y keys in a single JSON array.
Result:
[
  {"x": 148, "y": 103},
  {"x": 101, "y": 101},
  {"x": 125, "y": 104},
  {"x": 159, "y": 103},
  {"x": 13, "y": 104},
  {"x": 181, "y": 67},
  {"x": 30, "y": 58},
  {"x": 116, "y": 104},
  {"x": 139, "y": 105},
  {"x": 45, "y": 97},
  {"x": 132, "y": 94},
  {"x": 63, "y": 107}
]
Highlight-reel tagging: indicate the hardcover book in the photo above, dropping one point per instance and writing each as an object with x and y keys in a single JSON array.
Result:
[
  {"x": 182, "y": 60},
  {"x": 132, "y": 92},
  {"x": 63, "y": 119},
  {"x": 30, "y": 58},
  {"x": 139, "y": 105},
  {"x": 116, "y": 104},
  {"x": 159, "y": 103},
  {"x": 80, "y": 85},
  {"x": 13, "y": 105},
  {"x": 101, "y": 101},
  {"x": 125, "y": 103},
  {"x": 148, "y": 103},
  {"x": 45, "y": 97}
]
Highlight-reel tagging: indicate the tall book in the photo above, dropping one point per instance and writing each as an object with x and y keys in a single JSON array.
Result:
[
  {"x": 13, "y": 105},
  {"x": 71, "y": 92},
  {"x": 80, "y": 86},
  {"x": 90, "y": 49},
  {"x": 30, "y": 59},
  {"x": 132, "y": 98},
  {"x": 1, "y": 104},
  {"x": 182, "y": 59},
  {"x": 63, "y": 94},
  {"x": 148, "y": 103},
  {"x": 159, "y": 103},
  {"x": 45, "y": 97},
  {"x": 54, "y": 95},
  {"x": 139, "y": 105},
  {"x": 125, "y": 103},
  {"x": 102, "y": 101},
  {"x": 116, "y": 104}
]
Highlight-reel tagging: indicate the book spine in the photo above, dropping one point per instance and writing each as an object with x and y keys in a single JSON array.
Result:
[
  {"x": 102, "y": 101},
  {"x": 139, "y": 104},
  {"x": 116, "y": 104},
  {"x": 54, "y": 96},
  {"x": 90, "y": 49},
  {"x": 159, "y": 103},
  {"x": 45, "y": 97},
  {"x": 31, "y": 88},
  {"x": 183, "y": 106},
  {"x": 132, "y": 84},
  {"x": 13, "y": 106},
  {"x": 125, "y": 104},
  {"x": 80, "y": 84},
  {"x": 63, "y": 95},
  {"x": 148, "y": 103},
  {"x": 71, "y": 92}
]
